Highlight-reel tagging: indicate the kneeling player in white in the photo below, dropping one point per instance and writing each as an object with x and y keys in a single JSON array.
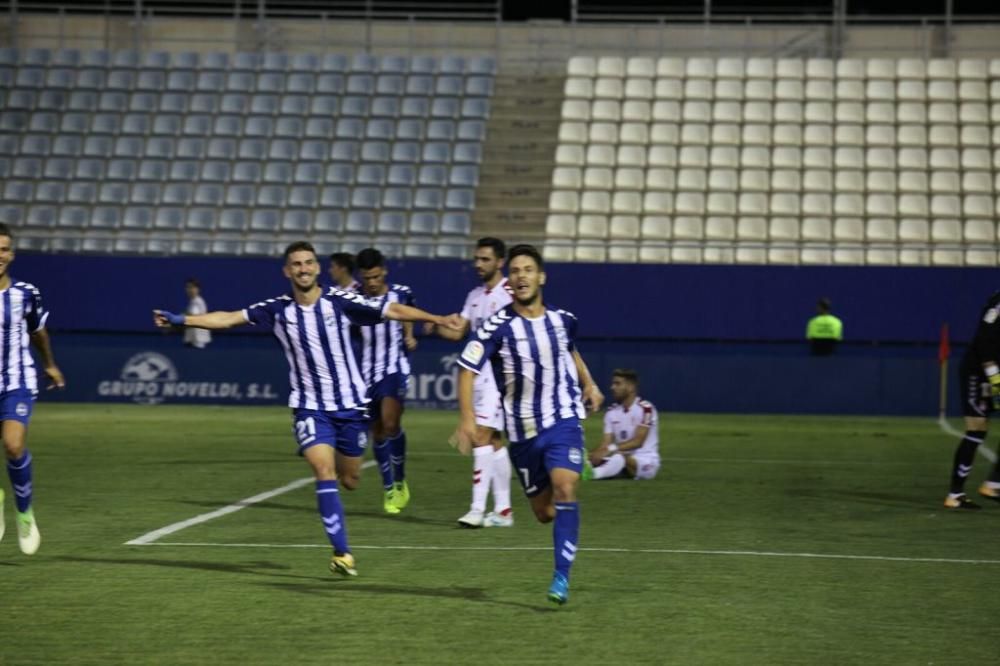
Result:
[{"x": 631, "y": 443}]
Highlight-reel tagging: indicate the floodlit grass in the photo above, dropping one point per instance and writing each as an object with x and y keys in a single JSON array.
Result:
[{"x": 765, "y": 540}]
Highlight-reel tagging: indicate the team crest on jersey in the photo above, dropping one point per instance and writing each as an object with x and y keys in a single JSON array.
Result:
[
  {"x": 575, "y": 456},
  {"x": 991, "y": 315},
  {"x": 21, "y": 409},
  {"x": 473, "y": 352}
]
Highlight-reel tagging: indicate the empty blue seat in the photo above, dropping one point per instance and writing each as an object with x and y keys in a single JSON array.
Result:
[
  {"x": 146, "y": 193},
  {"x": 471, "y": 130},
  {"x": 252, "y": 149},
  {"x": 272, "y": 195},
  {"x": 233, "y": 219},
  {"x": 324, "y": 105},
  {"x": 405, "y": 151},
  {"x": 185, "y": 60},
  {"x": 92, "y": 79},
  {"x": 423, "y": 65},
  {"x": 451, "y": 251},
  {"x": 151, "y": 80},
  {"x": 177, "y": 194},
  {"x": 79, "y": 100},
  {"x": 137, "y": 218},
  {"x": 432, "y": 174},
  {"x": 204, "y": 103},
  {"x": 390, "y": 84},
  {"x": 418, "y": 250},
  {"x": 169, "y": 219},
  {"x": 441, "y": 130},
  {"x": 73, "y": 217},
  {"x": 349, "y": 128},
  {"x": 70, "y": 145},
  {"x": 223, "y": 246},
  {"x": 360, "y": 222},
  {"x": 120, "y": 79},
  {"x": 365, "y": 197},
  {"x": 375, "y": 151},
  {"x": 308, "y": 173},
  {"x": 445, "y": 107},
  {"x": 329, "y": 222},
  {"x": 363, "y": 62},
  {"x": 450, "y": 86},
  {"x": 414, "y": 107},
  {"x": 105, "y": 217},
  {"x": 331, "y": 84},
  {"x": 165, "y": 124},
  {"x": 385, "y": 107},
  {"x": 210, "y": 81},
  {"x": 410, "y": 130},
  {"x": 123, "y": 169},
  {"x": 209, "y": 194},
  {"x": 214, "y": 61},
  {"x": 482, "y": 65},
  {"x": 27, "y": 167},
  {"x": 460, "y": 199},
  {"x": 283, "y": 149},
  {"x": 173, "y": 102},
  {"x": 161, "y": 246},
  {"x": 221, "y": 149},
  {"x": 191, "y": 148},
  {"x": 270, "y": 82},
  {"x": 479, "y": 86},
  {"x": 427, "y": 199},
  {"x": 240, "y": 82},
  {"x": 246, "y": 172},
  {"x": 51, "y": 192},
  {"x": 402, "y": 175},
  {"x": 81, "y": 192},
  {"x": 340, "y": 174},
  {"x": 360, "y": 84},
  {"x": 303, "y": 196},
  {"x": 468, "y": 153},
  {"x": 391, "y": 222},
  {"x": 235, "y": 103},
  {"x": 393, "y": 63},
  {"x": 247, "y": 61},
  {"x": 354, "y": 106},
  {"x": 301, "y": 83},
  {"x": 215, "y": 171},
  {"x": 239, "y": 195},
  {"x": 371, "y": 174},
  {"x": 451, "y": 65},
  {"x": 315, "y": 150},
  {"x": 334, "y": 62},
  {"x": 60, "y": 78},
  {"x": 475, "y": 107},
  {"x": 294, "y": 105},
  {"x": 334, "y": 197},
  {"x": 278, "y": 172},
  {"x": 304, "y": 62},
  {"x": 48, "y": 100},
  {"x": 320, "y": 128},
  {"x": 201, "y": 219},
  {"x": 397, "y": 197},
  {"x": 37, "y": 145},
  {"x": 464, "y": 175},
  {"x": 296, "y": 221},
  {"x": 345, "y": 151},
  {"x": 10, "y": 214},
  {"x": 267, "y": 219},
  {"x": 437, "y": 152},
  {"x": 274, "y": 62},
  {"x": 41, "y": 216},
  {"x": 380, "y": 129},
  {"x": 30, "y": 77},
  {"x": 17, "y": 191},
  {"x": 456, "y": 224},
  {"x": 113, "y": 193},
  {"x": 58, "y": 167},
  {"x": 126, "y": 58}
]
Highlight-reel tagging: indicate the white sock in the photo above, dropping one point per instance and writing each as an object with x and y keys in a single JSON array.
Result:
[
  {"x": 501, "y": 480},
  {"x": 482, "y": 472},
  {"x": 611, "y": 467},
  {"x": 994, "y": 485}
]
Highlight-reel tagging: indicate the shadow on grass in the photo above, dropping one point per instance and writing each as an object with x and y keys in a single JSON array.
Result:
[
  {"x": 227, "y": 461},
  {"x": 259, "y": 568},
  {"x": 345, "y": 586},
  {"x": 886, "y": 499}
]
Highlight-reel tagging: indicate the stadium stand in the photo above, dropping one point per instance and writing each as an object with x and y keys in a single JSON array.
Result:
[
  {"x": 236, "y": 153},
  {"x": 853, "y": 161}
]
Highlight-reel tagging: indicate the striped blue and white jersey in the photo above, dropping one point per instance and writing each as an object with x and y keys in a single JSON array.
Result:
[
  {"x": 21, "y": 314},
  {"x": 532, "y": 360},
  {"x": 381, "y": 348},
  {"x": 322, "y": 370}
]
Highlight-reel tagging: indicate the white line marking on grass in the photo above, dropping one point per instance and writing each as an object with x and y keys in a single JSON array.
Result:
[
  {"x": 643, "y": 551},
  {"x": 150, "y": 537},
  {"x": 983, "y": 450}
]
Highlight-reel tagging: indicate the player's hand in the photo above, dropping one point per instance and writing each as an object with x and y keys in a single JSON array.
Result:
[
  {"x": 463, "y": 437},
  {"x": 592, "y": 397},
  {"x": 410, "y": 342},
  {"x": 454, "y": 322},
  {"x": 56, "y": 379},
  {"x": 164, "y": 319},
  {"x": 598, "y": 455},
  {"x": 995, "y": 390},
  {"x": 429, "y": 327}
]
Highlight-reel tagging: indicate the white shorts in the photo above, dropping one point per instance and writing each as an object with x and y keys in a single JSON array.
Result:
[
  {"x": 646, "y": 466},
  {"x": 486, "y": 401}
]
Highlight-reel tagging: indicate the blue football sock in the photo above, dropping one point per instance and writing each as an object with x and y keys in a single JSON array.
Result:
[
  {"x": 331, "y": 510},
  {"x": 19, "y": 471},
  {"x": 398, "y": 457},
  {"x": 565, "y": 532},
  {"x": 383, "y": 455}
]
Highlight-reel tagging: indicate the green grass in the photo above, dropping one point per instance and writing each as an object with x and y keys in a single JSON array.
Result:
[{"x": 730, "y": 486}]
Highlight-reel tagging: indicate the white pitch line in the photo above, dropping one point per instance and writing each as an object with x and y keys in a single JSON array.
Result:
[
  {"x": 150, "y": 537},
  {"x": 643, "y": 551},
  {"x": 983, "y": 450}
]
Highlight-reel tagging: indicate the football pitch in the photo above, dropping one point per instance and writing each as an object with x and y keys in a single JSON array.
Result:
[{"x": 765, "y": 540}]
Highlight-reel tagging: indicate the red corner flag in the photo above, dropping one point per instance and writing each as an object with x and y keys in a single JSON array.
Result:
[{"x": 944, "y": 349}]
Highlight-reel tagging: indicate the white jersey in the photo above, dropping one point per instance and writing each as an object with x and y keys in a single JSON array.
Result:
[
  {"x": 197, "y": 337},
  {"x": 482, "y": 302},
  {"x": 21, "y": 315},
  {"x": 621, "y": 422}
]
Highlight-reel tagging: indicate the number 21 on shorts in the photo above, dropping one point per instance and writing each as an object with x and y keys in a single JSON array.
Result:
[{"x": 305, "y": 431}]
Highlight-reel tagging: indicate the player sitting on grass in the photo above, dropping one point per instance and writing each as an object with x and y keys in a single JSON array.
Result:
[
  {"x": 328, "y": 396},
  {"x": 631, "y": 442}
]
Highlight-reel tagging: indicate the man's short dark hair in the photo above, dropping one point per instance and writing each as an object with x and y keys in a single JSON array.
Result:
[
  {"x": 193, "y": 282},
  {"x": 299, "y": 246},
  {"x": 525, "y": 250},
  {"x": 5, "y": 231},
  {"x": 628, "y": 374},
  {"x": 497, "y": 245},
  {"x": 824, "y": 304},
  {"x": 370, "y": 258},
  {"x": 343, "y": 259}
]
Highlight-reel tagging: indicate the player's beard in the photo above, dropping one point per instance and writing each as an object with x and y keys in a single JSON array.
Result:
[
  {"x": 536, "y": 297},
  {"x": 309, "y": 287}
]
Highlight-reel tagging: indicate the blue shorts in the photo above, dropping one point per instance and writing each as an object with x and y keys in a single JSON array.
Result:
[
  {"x": 559, "y": 446},
  {"x": 390, "y": 386},
  {"x": 346, "y": 432},
  {"x": 17, "y": 406}
]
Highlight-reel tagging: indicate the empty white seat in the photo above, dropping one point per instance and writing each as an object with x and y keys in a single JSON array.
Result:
[
  {"x": 783, "y": 229},
  {"x": 945, "y": 182},
  {"x": 782, "y": 254},
  {"x": 631, "y": 156},
  {"x": 817, "y": 180},
  {"x": 911, "y": 112},
  {"x": 572, "y": 132},
  {"x": 784, "y": 157},
  {"x": 611, "y": 66},
  {"x": 687, "y": 227},
  {"x": 755, "y": 158},
  {"x": 603, "y": 132},
  {"x": 977, "y": 182},
  {"x": 978, "y": 205},
  {"x": 789, "y": 68},
  {"x": 666, "y": 112},
  {"x": 727, "y": 112},
  {"x": 698, "y": 89},
  {"x": 560, "y": 226},
  {"x": 751, "y": 229},
  {"x": 911, "y": 135},
  {"x": 595, "y": 202},
  {"x": 849, "y": 180},
  {"x": 912, "y": 205},
  {"x": 816, "y": 228},
  {"x": 816, "y": 254},
  {"x": 590, "y": 252},
  {"x": 818, "y": 135},
  {"x": 688, "y": 203},
  {"x": 914, "y": 256},
  {"x": 757, "y": 135},
  {"x": 911, "y": 68},
  {"x": 592, "y": 226},
  {"x": 727, "y": 134},
  {"x": 757, "y": 112},
  {"x": 724, "y": 156},
  {"x": 817, "y": 204},
  {"x": 941, "y": 68},
  {"x": 581, "y": 66},
  {"x": 849, "y": 91},
  {"x": 605, "y": 109},
  {"x": 985, "y": 255},
  {"x": 699, "y": 68},
  {"x": 880, "y": 205},
  {"x": 760, "y": 68},
  {"x": 817, "y": 157},
  {"x": 786, "y": 180},
  {"x": 575, "y": 109},
  {"x": 695, "y": 134},
  {"x": 721, "y": 203},
  {"x": 849, "y": 205},
  {"x": 730, "y": 68},
  {"x": 946, "y": 257},
  {"x": 849, "y": 135},
  {"x": 636, "y": 110},
  {"x": 563, "y": 201},
  {"x": 881, "y": 255},
  {"x": 819, "y": 68},
  {"x": 785, "y": 89},
  {"x": 640, "y": 67},
  {"x": 787, "y": 135},
  {"x": 626, "y": 253},
  {"x": 654, "y": 253},
  {"x": 627, "y": 178},
  {"x": 664, "y": 133},
  {"x": 880, "y": 91},
  {"x": 670, "y": 67},
  {"x": 718, "y": 253},
  {"x": 880, "y": 112},
  {"x": 819, "y": 90},
  {"x": 755, "y": 180},
  {"x": 624, "y": 227},
  {"x": 753, "y": 204},
  {"x": 943, "y": 135},
  {"x": 848, "y": 229},
  {"x": 751, "y": 254},
  {"x": 579, "y": 88},
  {"x": 758, "y": 89},
  {"x": 668, "y": 89},
  {"x": 608, "y": 88},
  {"x": 566, "y": 178},
  {"x": 600, "y": 155},
  {"x": 655, "y": 227},
  {"x": 914, "y": 230},
  {"x": 911, "y": 91},
  {"x": 785, "y": 204},
  {"x": 720, "y": 228},
  {"x": 788, "y": 112},
  {"x": 945, "y": 205},
  {"x": 946, "y": 231},
  {"x": 943, "y": 158},
  {"x": 729, "y": 90},
  {"x": 686, "y": 253},
  {"x": 880, "y": 68},
  {"x": 848, "y": 255},
  {"x": 658, "y": 203},
  {"x": 639, "y": 88},
  {"x": 597, "y": 178},
  {"x": 973, "y": 113},
  {"x": 692, "y": 156},
  {"x": 975, "y": 135},
  {"x": 880, "y": 135},
  {"x": 691, "y": 179},
  {"x": 973, "y": 91},
  {"x": 880, "y": 158},
  {"x": 626, "y": 203},
  {"x": 980, "y": 231},
  {"x": 881, "y": 181},
  {"x": 660, "y": 179},
  {"x": 911, "y": 158},
  {"x": 976, "y": 159},
  {"x": 880, "y": 229},
  {"x": 942, "y": 112},
  {"x": 913, "y": 181},
  {"x": 661, "y": 156},
  {"x": 723, "y": 180},
  {"x": 849, "y": 112},
  {"x": 558, "y": 251},
  {"x": 942, "y": 91}
]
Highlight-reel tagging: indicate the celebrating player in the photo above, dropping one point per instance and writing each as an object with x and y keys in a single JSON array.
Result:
[
  {"x": 979, "y": 381},
  {"x": 385, "y": 366},
  {"x": 22, "y": 318},
  {"x": 490, "y": 462},
  {"x": 534, "y": 349},
  {"x": 328, "y": 394},
  {"x": 342, "y": 271},
  {"x": 631, "y": 442}
]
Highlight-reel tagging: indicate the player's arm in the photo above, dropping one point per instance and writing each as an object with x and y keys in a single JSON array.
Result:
[
  {"x": 409, "y": 313},
  {"x": 641, "y": 432},
  {"x": 41, "y": 342},
  {"x": 218, "y": 320},
  {"x": 449, "y": 333},
  {"x": 601, "y": 451},
  {"x": 987, "y": 345},
  {"x": 467, "y": 414},
  {"x": 408, "y": 339},
  {"x": 592, "y": 396}
]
